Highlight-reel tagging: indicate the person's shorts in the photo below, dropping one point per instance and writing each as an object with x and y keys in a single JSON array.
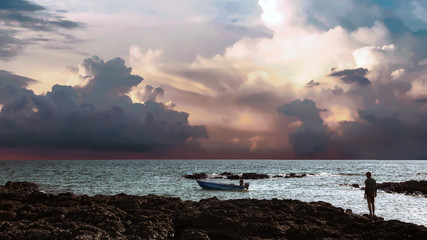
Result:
[{"x": 370, "y": 197}]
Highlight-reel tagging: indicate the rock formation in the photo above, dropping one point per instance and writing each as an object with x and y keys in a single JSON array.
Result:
[
  {"x": 26, "y": 213},
  {"x": 409, "y": 187}
]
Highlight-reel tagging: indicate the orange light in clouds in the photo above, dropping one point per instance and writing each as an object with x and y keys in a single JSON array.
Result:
[
  {"x": 337, "y": 115},
  {"x": 249, "y": 121}
]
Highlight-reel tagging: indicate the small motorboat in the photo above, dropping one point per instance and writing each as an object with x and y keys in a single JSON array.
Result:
[{"x": 223, "y": 186}]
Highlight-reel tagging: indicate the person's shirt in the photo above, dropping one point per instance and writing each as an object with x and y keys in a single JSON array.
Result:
[{"x": 370, "y": 185}]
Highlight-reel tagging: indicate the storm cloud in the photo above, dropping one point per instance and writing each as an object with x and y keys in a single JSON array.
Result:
[
  {"x": 385, "y": 132},
  {"x": 99, "y": 116},
  {"x": 353, "y": 76},
  {"x": 312, "y": 136},
  {"x": 18, "y": 17}
]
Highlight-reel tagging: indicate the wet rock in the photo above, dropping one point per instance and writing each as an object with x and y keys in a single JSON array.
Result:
[
  {"x": 226, "y": 174},
  {"x": 354, "y": 185},
  {"x": 38, "y": 215},
  {"x": 233, "y": 177},
  {"x": 410, "y": 187},
  {"x": 254, "y": 176},
  {"x": 196, "y": 176},
  {"x": 295, "y": 175},
  {"x": 291, "y": 175}
]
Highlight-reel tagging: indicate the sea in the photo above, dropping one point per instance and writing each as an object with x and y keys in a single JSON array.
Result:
[{"x": 326, "y": 180}]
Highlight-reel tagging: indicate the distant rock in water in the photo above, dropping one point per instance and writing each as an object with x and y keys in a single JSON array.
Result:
[
  {"x": 355, "y": 185},
  {"x": 196, "y": 175},
  {"x": 294, "y": 175},
  {"x": 226, "y": 174},
  {"x": 291, "y": 175},
  {"x": 254, "y": 176},
  {"x": 233, "y": 177},
  {"x": 410, "y": 187},
  {"x": 26, "y": 213}
]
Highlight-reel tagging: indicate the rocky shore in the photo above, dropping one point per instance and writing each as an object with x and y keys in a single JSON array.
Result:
[
  {"x": 27, "y": 213},
  {"x": 409, "y": 187},
  {"x": 412, "y": 187}
]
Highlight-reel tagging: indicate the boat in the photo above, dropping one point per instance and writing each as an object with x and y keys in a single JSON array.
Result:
[{"x": 222, "y": 186}]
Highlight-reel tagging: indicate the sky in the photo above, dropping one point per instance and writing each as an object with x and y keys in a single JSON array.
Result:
[{"x": 274, "y": 79}]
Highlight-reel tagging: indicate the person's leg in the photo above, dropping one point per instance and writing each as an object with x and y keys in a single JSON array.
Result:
[
  {"x": 373, "y": 204},
  {"x": 369, "y": 204}
]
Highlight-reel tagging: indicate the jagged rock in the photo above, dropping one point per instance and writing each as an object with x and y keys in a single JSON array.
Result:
[
  {"x": 409, "y": 187},
  {"x": 233, "y": 177},
  {"x": 22, "y": 187},
  {"x": 291, "y": 175},
  {"x": 37, "y": 215},
  {"x": 295, "y": 175},
  {"x": 226, "y": 174},
  {"x": 196, "y": 176},
  {"x": 193, "y": 234},
  {"x": 254, "y": 176}
]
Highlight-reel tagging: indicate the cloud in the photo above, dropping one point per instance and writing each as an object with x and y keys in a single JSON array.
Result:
[
  {"x": 364, "y": 61},
  {"x": 312, "y": 84},
  {"x": 98, "y": 116},
  {"x": 12, "y": 87},
  {"x": 312, "y": 136},
  {"x": 25, "y": 23},
  {"x": 150, "y": 93},
  {"x": 386, "y": 132},
  {"x": 353, "y": 76}
]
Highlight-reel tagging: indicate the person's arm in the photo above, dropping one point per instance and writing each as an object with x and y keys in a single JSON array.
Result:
[
  {"x": 366, "y": 189},
  {"x": 375, "y": 188}
]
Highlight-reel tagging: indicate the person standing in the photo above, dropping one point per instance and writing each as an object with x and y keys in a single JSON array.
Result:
[{"x": 370, "y": 192}]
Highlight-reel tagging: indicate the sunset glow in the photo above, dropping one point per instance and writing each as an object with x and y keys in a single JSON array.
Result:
[{"x": 219, "y": 79}]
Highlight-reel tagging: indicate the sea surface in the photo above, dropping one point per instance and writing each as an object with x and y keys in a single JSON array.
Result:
[{"x": 326, "y": 180}]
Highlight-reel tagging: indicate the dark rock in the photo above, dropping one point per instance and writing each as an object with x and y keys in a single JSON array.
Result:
[
  {"x": 196, "y": 176},
  {"x": 31, "y": 215},
  {"x": 233, "y": 177},
  {"x": 22, "y": 187},
  {"x": 295, "y": 175},
  {"x": 226, "y": 174},
  {"x": 193, "y": 234},
  {"x": 410, "y": 187},
  {"x": 7, "y": 215},
  {"x": 254, "y": 176}
]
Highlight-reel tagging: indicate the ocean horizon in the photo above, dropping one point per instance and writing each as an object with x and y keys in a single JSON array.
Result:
[{"x": 325, "y": 180}]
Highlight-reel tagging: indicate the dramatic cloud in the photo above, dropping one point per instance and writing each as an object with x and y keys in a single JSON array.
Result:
[
  {"x": 98, "y": 116},
  {"x": 312, "y": 136},
  {"x": 347, "y": 58},
  {"x": 353, "y": 76},
  {"x": 150, "y": 93},
  {"x": 23, "y": 23},
  {"x": 386, "y": 133},
  {"x": 230, "y": 64},
  {"x": 312, "y": 83}
]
